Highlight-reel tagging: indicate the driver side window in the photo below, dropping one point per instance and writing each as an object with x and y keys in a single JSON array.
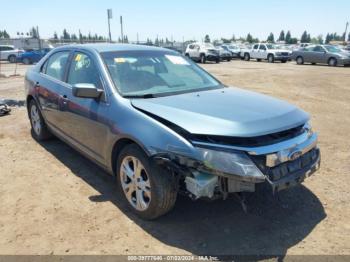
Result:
[
  {"x": 318, "y": 49},
  {"x": 262, "y": 47},
  {"x": 83, "y": 71}
]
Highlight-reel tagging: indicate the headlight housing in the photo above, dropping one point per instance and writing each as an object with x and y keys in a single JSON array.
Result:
[{"x": 230, "y": 163}]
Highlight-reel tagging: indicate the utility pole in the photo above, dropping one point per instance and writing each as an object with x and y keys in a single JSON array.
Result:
[
  {"x": 121, "y": 29},
  {"x": 346, "y": 30},
  {"x": 37, "y": 32},
  {"x": 109, "y": 17}
]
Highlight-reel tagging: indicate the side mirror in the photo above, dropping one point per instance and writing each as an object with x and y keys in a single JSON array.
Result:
[{"x": 86, "y": 91}]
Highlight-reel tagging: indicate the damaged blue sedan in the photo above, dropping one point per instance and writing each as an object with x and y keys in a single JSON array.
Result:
[{"x": 163, "y": 126}]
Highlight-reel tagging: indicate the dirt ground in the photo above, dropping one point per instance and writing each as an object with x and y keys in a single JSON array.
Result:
[{"x": 54, "y": 201}]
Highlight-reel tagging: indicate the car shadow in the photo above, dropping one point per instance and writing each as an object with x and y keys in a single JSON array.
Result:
[{"x": 269, "y": 228}]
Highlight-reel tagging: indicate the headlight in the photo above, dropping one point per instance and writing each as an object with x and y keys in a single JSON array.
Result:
[
  {"x": 308, "y": 129},
  {"x": 230, "y": 163}
]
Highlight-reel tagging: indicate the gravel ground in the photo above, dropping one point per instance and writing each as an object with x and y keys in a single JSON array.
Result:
[{"x": 54, "y": 201}]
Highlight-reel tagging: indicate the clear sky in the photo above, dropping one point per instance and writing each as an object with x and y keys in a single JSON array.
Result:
[{"x": 191, "y": 19}]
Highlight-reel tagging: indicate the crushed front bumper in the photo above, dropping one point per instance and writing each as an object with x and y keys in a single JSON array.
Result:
[{"x": 294, "y": 172}]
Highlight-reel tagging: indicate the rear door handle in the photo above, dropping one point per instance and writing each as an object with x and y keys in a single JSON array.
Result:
[{"x": 65, "y": 99}]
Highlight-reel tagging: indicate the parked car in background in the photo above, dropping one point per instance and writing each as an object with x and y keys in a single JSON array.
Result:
[
  {"x": 34, "y": 56},
  {"x": 269, "y": 52},
  {"x": 202, "y": 52},
  {"x": 321, "y": 54},
  {"x": 9, "y": 53},
  {"x": 245, "y": 48},
  {"x": 225, "y": 55},
  {"x": 303, "y": 45},
  {"x": 233, "y": 49},
  {"x": 163, "y": 126}
]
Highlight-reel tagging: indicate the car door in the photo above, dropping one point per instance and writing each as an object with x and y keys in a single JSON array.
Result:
[
  {"x": 255, "y": 51},
  {"x": 262, "y": 54},
  {"x": 49, "y": 86},
  {"x": 319, "y": 55},
  {"x": 85, "y": 124},
  {"x": 196, "y": 51}
]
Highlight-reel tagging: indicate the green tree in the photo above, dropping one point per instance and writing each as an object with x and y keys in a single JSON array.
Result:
[
  {"x": 288, "y": 38},
  {"x": 66, "y": 35},
  {"x": 207, "y": 39},
  {"x": 33, "y": 32},
  {"x": 249, "y": 38},
  {"x": 126, "y": 40},
  {"x": 282, "y": 36},
  {"x": 271, "y": 38},
  {"x": 304, "y": 38},
  {"x": 233, "y": 38}
]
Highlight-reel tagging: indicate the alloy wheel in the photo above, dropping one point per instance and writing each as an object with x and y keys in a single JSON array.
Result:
[
  {"x": 135, "y": 183},
  {"x": 35, "y": 119}
]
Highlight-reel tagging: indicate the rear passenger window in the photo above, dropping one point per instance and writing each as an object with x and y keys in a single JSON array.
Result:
[
  {"x": 56, "y": 65},
  {"x": 83, "y": 71},
  {"x": 256, "y": 46}
]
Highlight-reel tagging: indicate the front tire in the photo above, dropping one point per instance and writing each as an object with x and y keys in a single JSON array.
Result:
[
  {"x": 271, "y": 58},
  {"x": 147, "y": 188},
  {"x": 39, "y": 130},
  {"x": 203, "y": 59},
  {"x": 27, "y": 61}
]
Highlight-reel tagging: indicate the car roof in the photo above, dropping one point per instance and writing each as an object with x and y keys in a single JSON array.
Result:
[{"x": 105, "y": 47}]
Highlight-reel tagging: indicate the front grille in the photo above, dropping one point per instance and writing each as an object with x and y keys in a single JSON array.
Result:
[
  {"x": 283, "y": 170},
  {"x": 285, "y": 53},
  {"x": 251, "y": 141}
]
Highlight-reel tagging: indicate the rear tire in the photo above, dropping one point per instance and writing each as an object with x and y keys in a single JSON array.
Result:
[
  {"x": 148, "y": 189},
  {"x": 39, "y": 130},
  {"x": 332, "y": 62},
  {"x": 300, "y": 60},
  {"x": 271, "y": 58},
  {"x": 12, "y": 59},
  {"x": 259, "y": 60},
  {"x": 246, "y": 57}
]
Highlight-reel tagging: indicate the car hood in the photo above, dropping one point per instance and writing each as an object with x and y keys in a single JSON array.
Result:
[{"x": 225, "y": 112}]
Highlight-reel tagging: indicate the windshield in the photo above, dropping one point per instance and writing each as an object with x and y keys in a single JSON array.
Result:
[
  {"x": 208, "y": 45},
  {"x": 155, "y": 73},
  {"x": 233, "y": 47},
  {"x": 270, "y": 46},
  {"x": 332, "y": 49}
]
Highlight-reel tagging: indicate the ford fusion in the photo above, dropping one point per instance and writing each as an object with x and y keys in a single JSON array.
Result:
[{"x": 163, "y": 126}]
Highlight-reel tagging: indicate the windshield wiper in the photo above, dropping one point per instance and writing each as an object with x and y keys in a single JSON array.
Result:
[{"x": 140, "y": 96}]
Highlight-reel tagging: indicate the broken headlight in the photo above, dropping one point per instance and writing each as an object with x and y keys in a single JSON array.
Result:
[{"x": 230, "y": 163}]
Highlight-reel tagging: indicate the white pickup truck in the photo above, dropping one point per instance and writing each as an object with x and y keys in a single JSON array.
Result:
[
  {"x": 9, "y": 53},
  {"x": 269, "y": 52}
]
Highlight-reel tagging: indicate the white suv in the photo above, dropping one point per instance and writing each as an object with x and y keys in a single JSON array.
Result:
[
  {"x": 270, "y": 52},
  {"x": 8, "y": 52},
  {"x": 202, "y": 52}
]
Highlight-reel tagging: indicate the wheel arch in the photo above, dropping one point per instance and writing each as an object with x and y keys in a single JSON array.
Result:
[
  {"x": 332, "y": 57},
  {"x": 117, "y": 148}
]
